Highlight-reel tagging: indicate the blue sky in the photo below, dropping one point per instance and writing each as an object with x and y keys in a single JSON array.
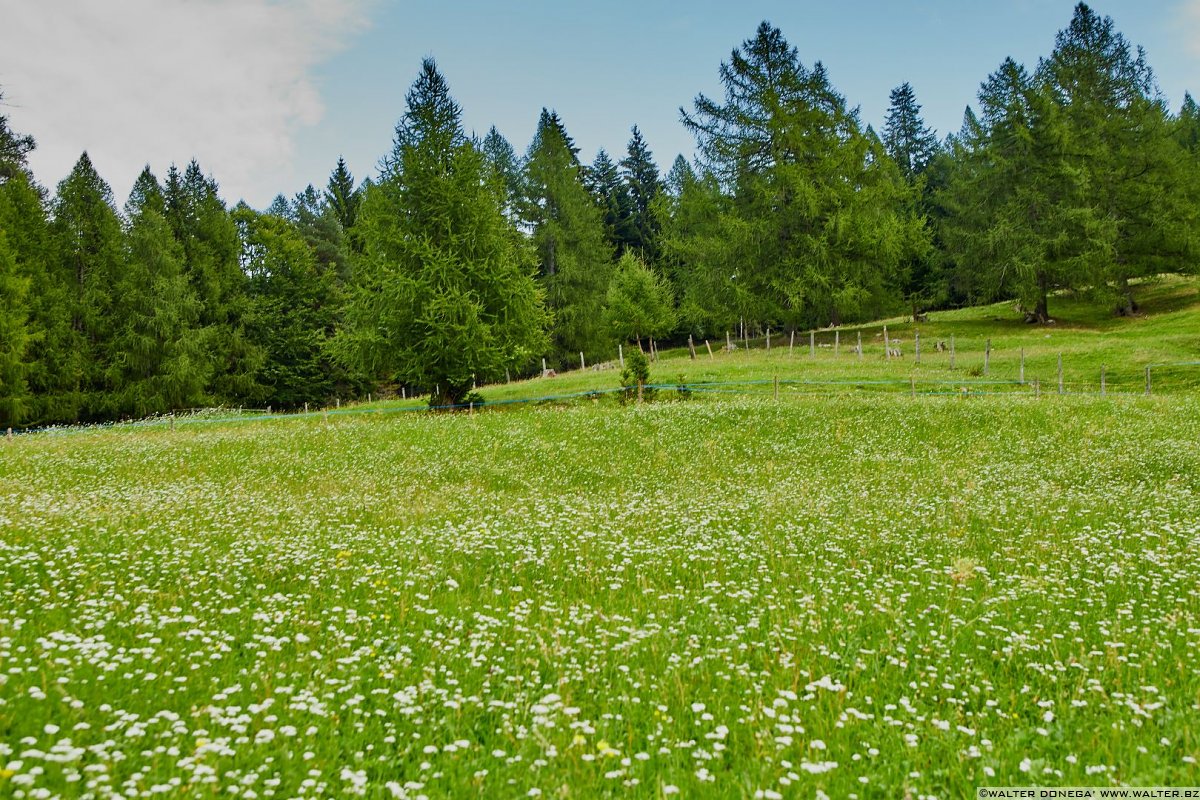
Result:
[{"x": 333, "y": 73}]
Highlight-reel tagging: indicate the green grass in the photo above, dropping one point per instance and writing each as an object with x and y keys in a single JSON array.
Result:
[
  {"x": 861, "y": 595},
  {"x": 1088, "y": 336}
]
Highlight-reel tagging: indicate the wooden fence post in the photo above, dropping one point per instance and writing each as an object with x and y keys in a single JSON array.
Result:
[
  {"x": 912, "y": 385},
  {"x": 728, "y": 343},
  {"x": 792, "y": 342},
  {"x": 768, "y": 341},
  {"x": 9, "y": 434},
  {"x": 582, "y": 363},
  {"x": 306, "y": 408},
  {"x": 403, "y": 395},
  {"x": 1060, "y": 377},
  {"x": 1037, "y": 388},
  {"x": 1103, "y": 386},
  {"x": 708, "y": 347},
  {"x": 621, "y": 355},
  {"x": 812, "y": 344},
  {"x": 1147, "y": 381},
  {"x": 860, "y": 345},
  {"x": 837, "y": 341},
  {"x": 543, "y": 367},
  {"x": 917, "y": 345},
  {"x": 887, "y": 345},
  {"x": 1022, "y": 366},
  {"x": 691, "y": 347}
]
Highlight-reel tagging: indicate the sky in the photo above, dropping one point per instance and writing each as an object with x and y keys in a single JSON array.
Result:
[{"x": 266, "y": 94}]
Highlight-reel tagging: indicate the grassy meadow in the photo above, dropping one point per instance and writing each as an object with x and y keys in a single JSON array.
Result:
[{"x": 848, "y": 595}]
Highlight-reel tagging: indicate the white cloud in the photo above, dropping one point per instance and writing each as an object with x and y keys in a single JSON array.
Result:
[
  {"x": 1191, "y": 20},
  {"x": 228, "y": 82}
]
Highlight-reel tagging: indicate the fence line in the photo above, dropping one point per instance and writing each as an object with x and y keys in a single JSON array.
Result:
[{"x": 933, "y": 387}]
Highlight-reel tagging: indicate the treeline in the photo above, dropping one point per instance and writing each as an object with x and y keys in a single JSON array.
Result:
[{"x": 463, "y": 262}]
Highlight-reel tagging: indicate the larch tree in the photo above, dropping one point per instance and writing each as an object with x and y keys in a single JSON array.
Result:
[
  {"x": 444, "y": 295},
  {"x": 817, "y": 219},
  {"x": 1122, "y": 144},
  {"x": 639, "y": 303}
]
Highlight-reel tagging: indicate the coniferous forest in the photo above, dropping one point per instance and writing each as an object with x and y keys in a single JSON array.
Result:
[{"x": 463, "y": 260}]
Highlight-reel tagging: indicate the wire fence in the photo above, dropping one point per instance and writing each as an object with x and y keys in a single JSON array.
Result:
[{"x": 762, "y": 387}]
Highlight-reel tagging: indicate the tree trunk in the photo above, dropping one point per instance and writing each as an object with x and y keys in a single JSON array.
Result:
[
  {"x": 1041, "y": 312},
  {"x": 1128, "y": 307}
]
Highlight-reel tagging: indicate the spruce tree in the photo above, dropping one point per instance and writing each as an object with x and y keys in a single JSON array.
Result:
[
  {"x": 14, "y": 148},
  {"x": 444, "y": 295},
  {"x": 610, "y": 192},
  {"x": 912, "y": 146},
  {"x": 644, "y": 185},
  {"x": 157, "y": 359},
  {"x": 14, "y": 337},
  {"x": 22, "y": 253},
  {"x": 211, "y": 251},
  {"x": 87, "y": 242},
  {"x": 575, "y": 260},
  {"x": 297, "y": 300},
  {"x": 342, "y": 197},
  {"x": 908, "y": 141}
]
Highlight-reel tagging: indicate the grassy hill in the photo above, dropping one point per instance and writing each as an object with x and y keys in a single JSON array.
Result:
[
  {"x": 725, "y": 597},
  {"x": 1089, "y": 337}
]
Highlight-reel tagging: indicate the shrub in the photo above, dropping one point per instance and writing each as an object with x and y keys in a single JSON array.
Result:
[{"x": 636, "y": 377}]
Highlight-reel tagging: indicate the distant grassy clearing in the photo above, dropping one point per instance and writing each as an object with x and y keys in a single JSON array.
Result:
[{"x": 855, "y": 596}]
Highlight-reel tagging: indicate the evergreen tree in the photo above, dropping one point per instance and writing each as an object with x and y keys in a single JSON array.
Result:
[
  {"x": 912, "y": 146},
  {"x": 444, "y": 295},
  {"x": 22, "y": 254},
  {"x": 1017, "y": 211},
  {"x": 639, "y": 302},
  {"x": 575, "y": 260},
  {"x": 342, "y": 197},
  {"x": 603, "y": 181},
  {"x": 816, "y": 229},
  {"x": 211, "y": 251},
  {"x": 14, "y": 337},
  {"x": 908, "y": 141},
  {"x": 14, "y": 148},
  {"x": 157, "y": 359},
  {"x": 1122, "y": 144},
  {"x": 644, "y": 184},
  {"x": 86, "y": 238},
  {"x": 298, "y": 302},
  {"x": 1187, "y": 126},
  {"x": 146, "y": 195},
  {"x": 505, "y": 168},
  {"x": 697, "y": 251}
]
